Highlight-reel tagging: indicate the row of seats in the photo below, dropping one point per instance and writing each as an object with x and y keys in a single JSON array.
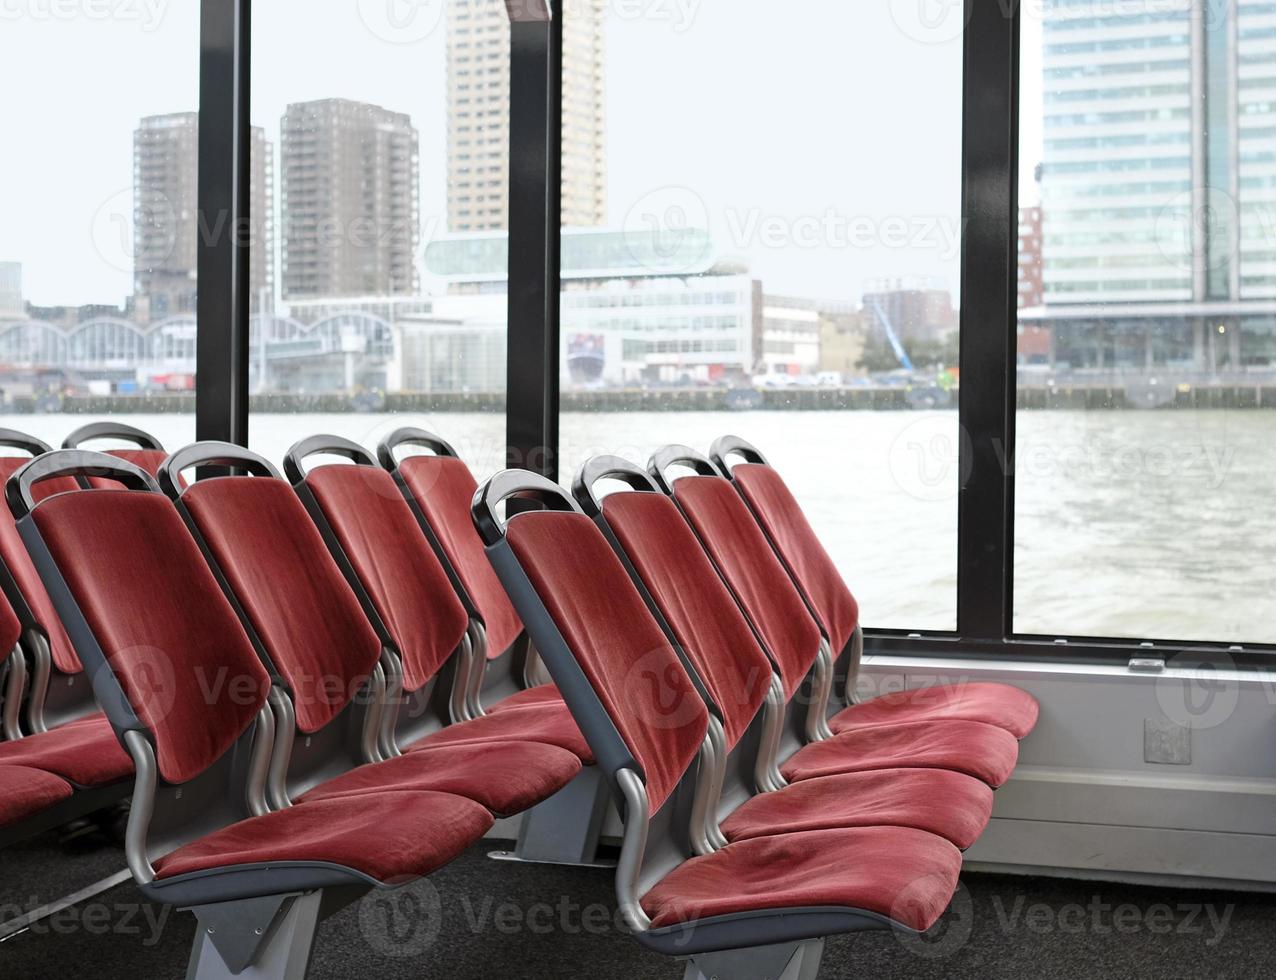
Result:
[{"x": 324, "y": 685}]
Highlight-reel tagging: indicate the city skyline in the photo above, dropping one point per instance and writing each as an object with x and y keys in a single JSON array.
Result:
[{"x": 411, "y": 77}]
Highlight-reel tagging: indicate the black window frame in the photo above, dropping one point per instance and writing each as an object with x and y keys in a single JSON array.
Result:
[{"x": 987, "y": 401}]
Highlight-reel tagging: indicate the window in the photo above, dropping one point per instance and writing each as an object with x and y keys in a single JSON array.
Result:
[
  {"x": 1147, "y": 340},
  {"x": 98, "y": 221},
  {"x": 371, "y": 152},
  {"x": 776, "y": 258}
]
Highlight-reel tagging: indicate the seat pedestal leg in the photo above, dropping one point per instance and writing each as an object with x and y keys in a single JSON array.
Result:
[
  {"x": 565, "y": 828},
  {"x": 257, "y": 939},
  {"x": 786, "y": 961}
]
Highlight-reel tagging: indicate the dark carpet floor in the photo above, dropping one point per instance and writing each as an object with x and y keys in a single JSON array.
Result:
[{"x": 480, "y": 918}]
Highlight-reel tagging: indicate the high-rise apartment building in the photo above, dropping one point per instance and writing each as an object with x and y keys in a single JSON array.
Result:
[
  {"x": 478, "y": 69},
  {"x": 350, "y": 200},
  {"x": 165, "y": 216},
  {"x": 1159, "y": 178}
]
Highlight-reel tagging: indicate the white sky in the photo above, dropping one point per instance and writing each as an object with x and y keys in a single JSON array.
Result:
[{"x": 820, "y": 141}]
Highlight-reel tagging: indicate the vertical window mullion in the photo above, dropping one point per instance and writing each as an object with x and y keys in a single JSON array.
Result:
[{"x": 988, "y": 320}]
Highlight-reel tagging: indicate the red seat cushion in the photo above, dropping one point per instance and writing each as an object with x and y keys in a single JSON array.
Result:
[
  {"x": 803, "y": 554},
  {"x": 906, "y": 875},
  {"x": 390, "y": 837},
  {"x": 26, "y": 792},
  {"x": 979, "y": 750},
  {"x": 283, "y": 575},
  {"x": 395, "y": 563},
  {"x": 443, "y": 488},
  {"x": 693, "y": 600},
  {"x": 633, "y": 670},
  {"x": 760, "y": 583},
  {"x": 994, "y": 704},
  {"x": 505, "y": 777},
  {"x": 549, "y": 723},
  {"x": 14, "y": 554},
  {"x": 86, "y": 752},
  {"x": 169, "y": 634},
  {"x": 948, "y": 804}
]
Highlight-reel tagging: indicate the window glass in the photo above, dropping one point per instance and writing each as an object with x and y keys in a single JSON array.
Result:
[
  {"x": 1147, "y": 330},
  {"x": 97, "y": 218},
  {"x": 761, "y": 236},
  {"x": 379, "y": 165}
]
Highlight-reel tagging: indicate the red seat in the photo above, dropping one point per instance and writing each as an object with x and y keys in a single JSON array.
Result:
[
  {"x": 443, "y": 488},
  {"x": 86, "y": 752},
  {"x": 993, "y": 704},
  {"x": 816, "y": 574},
  {"x": 399, "y": 571},
  {"x": 26, "y": 792},
  {"x": 798, "y": 546},
  {"x": 416, "y": 603},
  {"x": 902, "y": 874},
  {"x": 951, "y": 805},
  {"x": 983, "y": 751},
  {"x": 549, "y": 723},
  {"x": 390, "y": 837},
  {"x": 505, "y": 777},
  {"x": 761, "y": 585}
]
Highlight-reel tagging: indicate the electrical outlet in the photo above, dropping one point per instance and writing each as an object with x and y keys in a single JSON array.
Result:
[{"x": 1166, "y": 744}]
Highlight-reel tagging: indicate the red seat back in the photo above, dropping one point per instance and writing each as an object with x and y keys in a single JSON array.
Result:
[
  {"x": 298, "y": 602},
  {"x": 750, "y": 567},
  {"x": 800, "y": 549},
  {"x": 622, "y": 651},
  {"x": 14, "y": 555},
  {"x": 394, "y": 562},
  {"x": 443, "y": 488},
  {"x": 168, "y": 633},
  {"x": 695, "y": 603}
]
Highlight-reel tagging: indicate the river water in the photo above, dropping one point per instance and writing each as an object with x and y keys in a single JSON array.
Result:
[{"x": 1136, "y": 524}]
